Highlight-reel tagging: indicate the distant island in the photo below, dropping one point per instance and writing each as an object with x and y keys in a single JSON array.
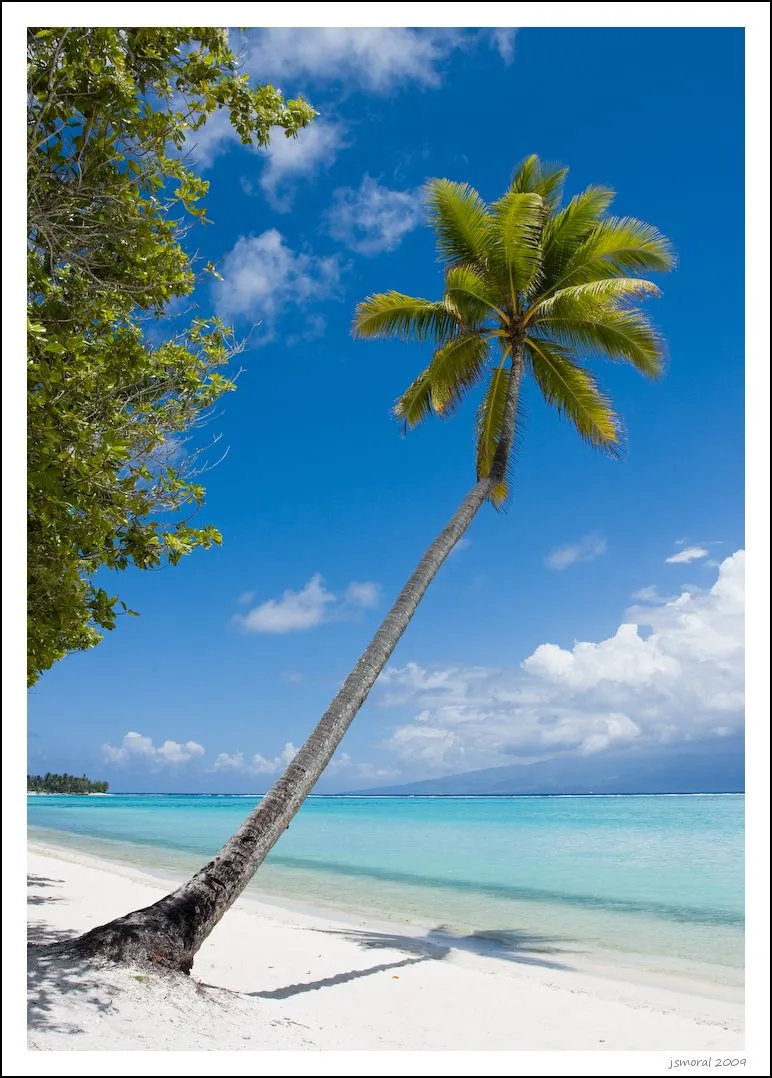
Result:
[
  {"x": 64, "y": 784},
  {"x": 708, "y": 766}
]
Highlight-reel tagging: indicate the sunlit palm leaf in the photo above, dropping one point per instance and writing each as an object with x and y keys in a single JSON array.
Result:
[
  {"x": 455, "y": 367},
  {"x": 459, "y": 218},
  {"x": 392, "y": 314},
  {"x": 581, "y": 299},
  {"x": 415, "y": 404},
  {"x": 608, "y": 334},
  {"x": 490, "y": 418},
  {"x": 472, "y": 293},
  {"x": 618, "y": 247},
  {"x": 516, "y": 228},
  {"x": 541, "y": 179},
  {"x": 573, "y": 391},
  {"x": 566, "y": 230}
]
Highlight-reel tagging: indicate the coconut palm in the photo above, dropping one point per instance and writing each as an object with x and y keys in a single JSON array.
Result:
[{"x": 530, "y": 290}]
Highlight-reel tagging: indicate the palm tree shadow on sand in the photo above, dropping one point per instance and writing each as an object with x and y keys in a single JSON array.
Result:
[
  {"x": 436, "y": 945},
  {"x": 511, "y": 945},
  {"x": 53, "y": 974}
]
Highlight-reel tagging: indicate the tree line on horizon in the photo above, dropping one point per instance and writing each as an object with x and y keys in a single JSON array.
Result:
[{"x": 52, "y": 783}]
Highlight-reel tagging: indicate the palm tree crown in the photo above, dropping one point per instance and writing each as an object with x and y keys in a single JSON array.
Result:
[{"x": 554, "y": 287}]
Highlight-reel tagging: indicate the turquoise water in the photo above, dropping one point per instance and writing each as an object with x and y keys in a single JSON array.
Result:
[{"x": 653, "y": 881}]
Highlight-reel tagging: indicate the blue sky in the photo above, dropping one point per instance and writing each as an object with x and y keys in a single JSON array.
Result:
[{"x": 526, "y": 645}]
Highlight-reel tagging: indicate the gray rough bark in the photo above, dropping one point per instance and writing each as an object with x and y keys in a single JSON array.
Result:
[{"x": 170, "y": 932}]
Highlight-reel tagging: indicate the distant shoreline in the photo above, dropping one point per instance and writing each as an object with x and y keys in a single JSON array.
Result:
[
  {"x": 72, "y": 793},
  {"x": 402, "y": 797}
]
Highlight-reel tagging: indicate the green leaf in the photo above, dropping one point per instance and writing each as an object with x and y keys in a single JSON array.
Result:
[
  {"x": 392, "y": 314},
  {"x": 573, "y": 391},
  {"x": 459, "y": 218}
]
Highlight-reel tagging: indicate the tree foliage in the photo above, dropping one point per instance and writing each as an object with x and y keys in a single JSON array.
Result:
[
  {"x": 528, "y": 282},
  {"x": 51, "y": 783},
  {"x": 111, "y": 194}
]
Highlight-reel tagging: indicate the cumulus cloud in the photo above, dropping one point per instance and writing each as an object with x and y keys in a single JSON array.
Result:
[
  {"x": 375, "y": 59},
  {"x": 372, "y": 218},
  {"x": 256, "y": 764},
  {"x": 673, "y": 671},
  {"x": 309, "y": 607},
  {"x": 651, "y": 594},
  {"x": 211, "y": 140},
  {"x": 295, "y": 610},
  {"x": 587, "y": 549},
  {"x": 688, "y": 554},
  {"x": 363, "y": 593},
  {"x": 503, "y": 39},
  {"x": 289, "y": 160},
  {"x": 262, "y": 276},
  {"x": 279, "y": 166},
  {"x": 136, "y": 748}
]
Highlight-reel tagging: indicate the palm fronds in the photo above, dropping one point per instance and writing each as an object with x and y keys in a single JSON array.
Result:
[
  {"x": 572, "y": 390},
  {"x": 551, "y": 289},
  {"x": 392, "y": 314}
]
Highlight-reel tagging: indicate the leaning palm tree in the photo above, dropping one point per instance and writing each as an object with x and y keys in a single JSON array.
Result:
[{"x": 530, "y": 290}]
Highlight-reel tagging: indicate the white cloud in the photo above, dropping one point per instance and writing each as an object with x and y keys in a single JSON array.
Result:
[
  {"x": 652, "y": 594},
  {"x": 688, "y": 554},
  {"x": 262, "y": 276},
  {"x": 136, "y": 748},
  {"x": 673, "y": 671},
  {"x": 313, "y": 327},
  {"x": 504, "y": 40},
  {"x": 361, "y": 770},
  {"x": 587, "y": 549},
  {"x": 257, "y": 764},
  {"x": 378, "y": 60},
  {"x": 212, "y": 139},
  {"x": 282, "y": 163},
  {"x": 261, "y": 766},
  {"x": 295, "y": 610},
  {"x": 309, "y": 607},
  {"x": 363, "y": 593},
  {"x": 229, "y": 762},
  {"x": 371, "y": 218},
  {"x": 288, "y": 160}
]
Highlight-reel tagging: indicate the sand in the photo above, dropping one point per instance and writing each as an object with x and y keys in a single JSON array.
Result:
[{"x": 274, "y": 978}]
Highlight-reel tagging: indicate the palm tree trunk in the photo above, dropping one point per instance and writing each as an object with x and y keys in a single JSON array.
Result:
[{"x": 170, "y": 932}]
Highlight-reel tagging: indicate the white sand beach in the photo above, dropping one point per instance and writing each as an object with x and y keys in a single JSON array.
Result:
[{"x": 274, "y": 978}]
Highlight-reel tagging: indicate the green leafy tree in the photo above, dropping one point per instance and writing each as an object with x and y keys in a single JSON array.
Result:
[
  {"x": 111, "y": 194},
  {"x": 51, "y": 783},
  {"x": 530, "y": 290}
]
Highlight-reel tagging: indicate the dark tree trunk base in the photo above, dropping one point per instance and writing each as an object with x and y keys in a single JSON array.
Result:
[{"x": 143, "y": 938}]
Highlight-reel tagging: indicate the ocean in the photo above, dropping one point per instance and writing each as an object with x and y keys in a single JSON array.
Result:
[{"x": 653, "y": 883}]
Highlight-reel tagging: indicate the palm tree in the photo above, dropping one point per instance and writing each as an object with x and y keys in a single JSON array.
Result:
[{"x": 531, "y": 289}]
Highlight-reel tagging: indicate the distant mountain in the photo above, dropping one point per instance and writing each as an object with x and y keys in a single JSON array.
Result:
[{"x": 716, "y": 766}]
